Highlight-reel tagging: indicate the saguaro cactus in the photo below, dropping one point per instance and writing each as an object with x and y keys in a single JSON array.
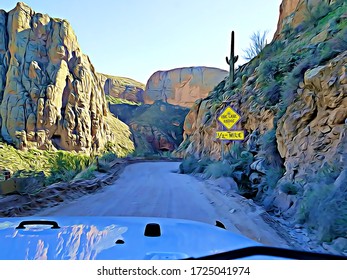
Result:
[{"x": 233, "y": 59}]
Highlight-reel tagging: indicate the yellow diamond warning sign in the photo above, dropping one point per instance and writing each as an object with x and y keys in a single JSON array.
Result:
[
  {"x": 231, "y": 135},
  {"x": 229, "y": 117}
]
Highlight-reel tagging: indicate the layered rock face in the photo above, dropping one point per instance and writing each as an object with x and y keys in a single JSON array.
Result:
[
  {"x": 182, "y": 86},
  {"x": 120, "y": 87},
  {"x": 49, "y": 91},
  {"x": 310, "y": 133}
]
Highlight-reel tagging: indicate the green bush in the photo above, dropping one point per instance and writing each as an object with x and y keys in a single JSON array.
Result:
[
  {"x": 267, "y": 70},
  {"x": 87, "y": 174},
  {"x": 272, "y": 176},
  {"x": 234, "y": 153},
  {"x": 289, "y": 188},
  {"x": 272, "y": 93},
  {"x": 65, "y": 166},
  {"x": 202, "y": 165},
  {"x": 320, "y": 11},
  {"x": 218, "y": 169},
  {"x": 317, "y": 12},
  {"x": 324, "y": 209},
  {"x": 62, "y": 176},
  {"x": 108, "y": 157},
  {"x": 287, "y": 31},
  {"x": 328, "y": 173},
  {"x": 188, "y": 165}
]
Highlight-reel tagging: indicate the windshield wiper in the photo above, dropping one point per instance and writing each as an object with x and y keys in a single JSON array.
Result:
[{"x": 270, "y": 251}]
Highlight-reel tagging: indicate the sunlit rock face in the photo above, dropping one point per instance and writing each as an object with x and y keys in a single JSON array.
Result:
[
  {"x": 121, "y": 87},
  {"x": 182, "y": 86},
  {"x": 294, "y": 12},
  {"x": 310, "y": 133},
  {"x": 49, "y": 91}
]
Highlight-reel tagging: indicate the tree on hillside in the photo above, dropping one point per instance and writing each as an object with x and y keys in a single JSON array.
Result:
[{"x": 258, "y": 42}]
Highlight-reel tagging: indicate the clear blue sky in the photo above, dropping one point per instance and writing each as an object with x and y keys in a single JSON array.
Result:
[{"x": 135, "y": 38}]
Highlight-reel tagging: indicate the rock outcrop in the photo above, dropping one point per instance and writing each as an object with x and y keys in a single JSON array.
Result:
[
  {"x": 310, "y": 133},
  {"x": 182, "y": 86},
  {"x": 121, "y": 87},
  {"x": 156, "y": 128},
  {"x": 295, "y": 12},
  {"x": 49, "y": 91}
]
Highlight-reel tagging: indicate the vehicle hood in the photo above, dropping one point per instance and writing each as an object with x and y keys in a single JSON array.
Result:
[{"x": 111, "y": 238}]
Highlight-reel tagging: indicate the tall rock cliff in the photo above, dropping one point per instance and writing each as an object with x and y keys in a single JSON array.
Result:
[
  {"x": 50, "y": 94},
  {"x": 182, "y": 86}
]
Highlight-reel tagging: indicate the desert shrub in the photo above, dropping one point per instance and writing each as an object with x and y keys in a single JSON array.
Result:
[
  {"x": 188, "y": 165},
  {"x": 246, "y": 158},
  {"x": 267, "y": 70},
  {"x": 272, "y": 92},
  {"x": 234, "y": 153},
  {"x": 62, "y": 176},
  {"x": 258, "y": 42},
  {"x": 252, "y": 66},
  {"x": 289, "y": 188},
  {"x": 65, "y": 166},
  {"x": 87, "y": 174},
  {"x": 325, "y": 210},
  {"x": 288, "y": 88},
  {"x": 274, "y": 48},
  {"x": 202, "y": 164},
  {"x": 108, "y": 157},
  {"x": 317, "y": 12},
  {"x": 272, "y": 176},
  {"x": 277, "y": 47},
  {"x": 291, "y": 82},
  {"x": 166, "y": 154},
  {"x": 218, "y": 169},
  {"x": 287, "y": 31},
  {"x": 328, "y": 173}
]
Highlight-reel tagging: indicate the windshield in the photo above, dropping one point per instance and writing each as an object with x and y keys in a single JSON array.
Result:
[{"x": 229, "y": 114}]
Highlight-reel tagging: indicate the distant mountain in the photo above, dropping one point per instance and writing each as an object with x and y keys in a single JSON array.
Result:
[
  {"x": 121, "y": 88},
  {"x": 182, "y": 86},
  {"x": 156, "y": 128}
]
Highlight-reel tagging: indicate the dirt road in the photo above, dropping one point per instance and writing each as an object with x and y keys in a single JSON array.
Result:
[{"x": 155, "y": 189}]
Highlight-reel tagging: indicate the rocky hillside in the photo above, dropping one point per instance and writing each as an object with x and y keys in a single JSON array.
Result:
[
  {"x": 292, "y": 99},
  {"x": 50, "y": 94},
  {"x": 156, "y": 128},
  {"x": 182, "y": 86},
  {"x": 121, "y": 89}
]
